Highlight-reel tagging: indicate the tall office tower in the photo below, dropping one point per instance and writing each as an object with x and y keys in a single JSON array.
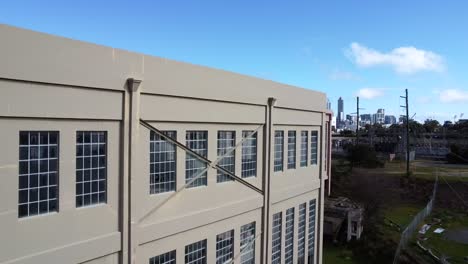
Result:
[
  {"x": 380, "y": 116},
  {"x": 340, "y": 115}
]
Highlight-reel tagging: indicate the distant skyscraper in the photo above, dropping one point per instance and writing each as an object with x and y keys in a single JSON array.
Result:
[
  {"x": 380, "y": 116},
  {"x": 390, "y": 119},
  {"x": 340, "y": 114}
]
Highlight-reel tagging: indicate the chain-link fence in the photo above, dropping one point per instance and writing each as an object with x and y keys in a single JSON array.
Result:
[{"x": 407, "y": 234}]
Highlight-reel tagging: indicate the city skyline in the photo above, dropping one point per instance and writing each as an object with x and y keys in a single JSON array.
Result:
[{"x": 341, "y": 48}]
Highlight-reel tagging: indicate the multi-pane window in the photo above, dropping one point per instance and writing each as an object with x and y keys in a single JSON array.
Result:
[
  {"x": 166, "y": 258},
  {"x": 327, "y": 145},
  {"x": 304, "y": 148},
  {"x": 279, "y": 148},
  {"x": 225, "y": 247},
  {"x": 289, "y": 237},
  {"x": 162, "y": 163},
  {"x": 38, "y": 172},
  {"x": 91, "y": 168},
  {"x": 276, "y": 239},
  {"x": 249, "y": 154},
  {"x": 196, "y": 253},
  {"x": 247, "y": 244},
  {"x": 291, "y": 149},
  {"x": 197, "y": 141},
  {"x": 313, "y": 147},
  {"x": 301, "y": 234},
  {"x": 311, "y": 235},
  {"x": 226, "y": 145}
]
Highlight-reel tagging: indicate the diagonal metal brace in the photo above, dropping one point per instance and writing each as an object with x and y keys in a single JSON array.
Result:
[{"x": 200, "y": 157}]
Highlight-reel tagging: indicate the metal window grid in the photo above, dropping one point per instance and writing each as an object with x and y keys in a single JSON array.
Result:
[
  {"x": 249, "y": 155},
  {"x": 279, "y": 148},
  {"x": 226, "y": 145},
  {"x": 291, "y": 149},
  {"x": 162, "y": 163},
  {"x": 196, "y": 253},
  {"x": 91, "y": 168},
  {"x": 289, "y": 237},
  {"x": 166, "y": 258},
  {"x": 38, "y": 172},
  {"x": 313, "y": 147},
  {"x": 225, "y": 247},
  {"x": 276, "y": 239},
  {"x": 247, "y": 243},
  {"x": 311, "y": 235},
  {"x": 304, "y": 148},
  {"x": 197, "y": 141},
  {"x": 301, "y": 234}
]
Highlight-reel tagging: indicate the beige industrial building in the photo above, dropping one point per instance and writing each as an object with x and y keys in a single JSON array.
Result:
[{"x": 109, "y": 156}]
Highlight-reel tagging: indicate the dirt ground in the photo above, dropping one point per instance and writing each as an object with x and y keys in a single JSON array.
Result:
[{"x": 386, "y": 186}]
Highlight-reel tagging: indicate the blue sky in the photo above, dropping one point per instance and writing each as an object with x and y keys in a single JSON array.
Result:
[{"x": 374, "y": 49}]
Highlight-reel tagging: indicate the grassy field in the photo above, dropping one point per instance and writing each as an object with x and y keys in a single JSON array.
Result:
[
  {"x": 336, "y": 255},
  {"x": 427, "y": 170},
  {"x": 441, "y": 245}
]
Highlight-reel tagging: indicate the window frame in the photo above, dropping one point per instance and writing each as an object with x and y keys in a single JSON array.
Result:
[
  {"x": 292, "y": 147},
  {"x": 170, "y": 185},
  {"x": 278, "y": 158},
  {"x": 91, "y": 169},
  {"x": 38, "y": 173},
  {"x": 203, "y": 180}
]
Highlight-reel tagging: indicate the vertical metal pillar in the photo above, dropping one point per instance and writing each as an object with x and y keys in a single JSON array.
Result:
[{"x": 134, "y": 127}]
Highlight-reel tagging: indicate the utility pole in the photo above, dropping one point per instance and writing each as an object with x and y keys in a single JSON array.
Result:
[
  {"x": 357, "y": 121},
  {"x": 406, "y": 106}
]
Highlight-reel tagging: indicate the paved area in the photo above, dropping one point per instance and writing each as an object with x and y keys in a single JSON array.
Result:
[{"x": 457, "y": 235}]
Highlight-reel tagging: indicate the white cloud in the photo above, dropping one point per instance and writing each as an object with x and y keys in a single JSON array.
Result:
[
  {"x": 405, "y": 60},
  {"x": 370, "y": 93},
  {"x": 453, "y": 96}
]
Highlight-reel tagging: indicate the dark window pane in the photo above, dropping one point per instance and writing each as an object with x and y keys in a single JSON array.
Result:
[
  {"x": 79, "y": 137},
  {"x": 33, "y": 208},
  {"x": 23, "y": 167},
  {"x": 24, "y": 138},
  {"x": 87, "y": 150},
  {"x": 33, "y": 166},
  {"x": 43, "y": 207},
  {"x": 79, "y": 163},
  {"x": 52, "y": 205},
  {"x": 53, "y": 136},
  {"x": 33, "y": 195},
  {"x": 43, "y": 179},
  {"x": 23, "y": 196},
  {"x": 53, "y": 152},
  {"x": 43, "y": 193},
  {"x": 52, "y": 178},
  {"x": 34, "y": 152},
  {"x": 23, "y": 182},
  {"x": 53, "y": 165},
  {"x": 44, "y": 166},
  {"x": 79, "y": 188},
  {"x": 23, "y": 153},
  {"x": 23, "y": 210},
  {"x": 87, "y": 175},
  {"x": 33, "y": 138},
  {"x": 44, "y": 137},
  {"x": 52, "y": 192},
  {"x": 87, "y": 138},
  {"x": 33, "y": 180}
]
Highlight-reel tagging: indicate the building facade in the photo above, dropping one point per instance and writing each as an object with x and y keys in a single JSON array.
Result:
[{"x": 110, "y": 156}]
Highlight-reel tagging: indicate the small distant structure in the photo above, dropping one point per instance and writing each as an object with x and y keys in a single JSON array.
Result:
[{"x": 342, "y": 216}]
